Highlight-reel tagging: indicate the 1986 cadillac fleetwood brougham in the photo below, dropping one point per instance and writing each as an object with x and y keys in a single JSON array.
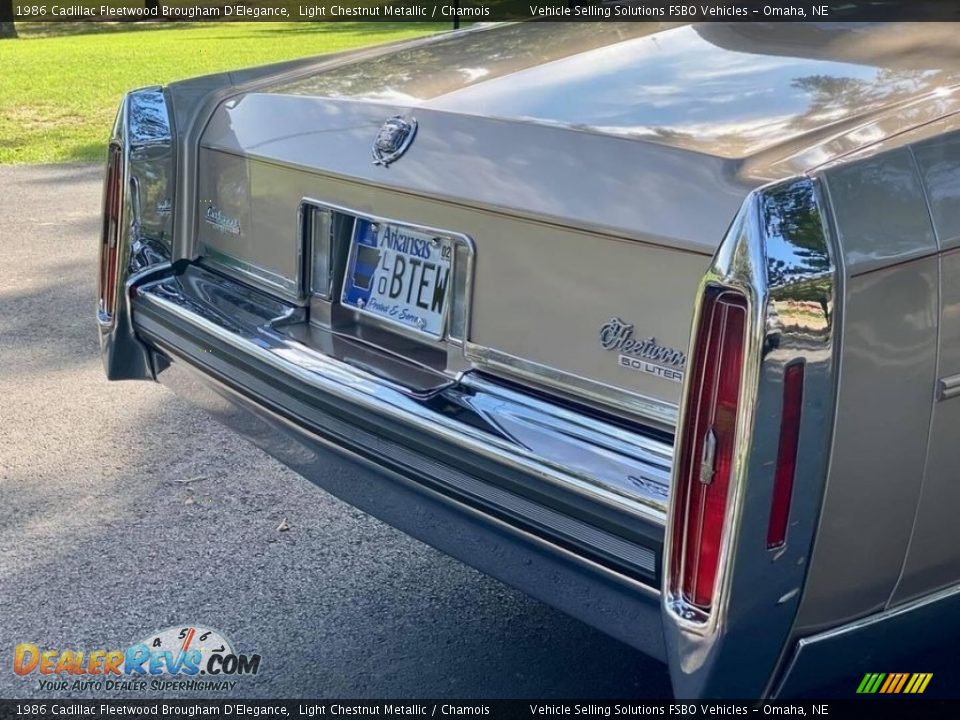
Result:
[{"x": 659, "y": 324}]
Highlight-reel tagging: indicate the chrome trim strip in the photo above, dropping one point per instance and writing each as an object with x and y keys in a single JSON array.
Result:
[
  {"x": 661, "y": 451},
  {"x": 636, "y": 406},
  {"x": 524, "y": 422},
  {"x": 948, "y": 387},
  {"x": 884, "y": 615},
  {"x": 254, "y": 274},
  {"x": 877, "y": 636},
  {"x": 458, "y": 238}
]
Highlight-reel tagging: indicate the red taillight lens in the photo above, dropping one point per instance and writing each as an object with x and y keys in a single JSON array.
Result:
[
  {"x": 786, "y": 455},
  {"x": 110, "y": 236},
  {"x": 707, "y": 446}
]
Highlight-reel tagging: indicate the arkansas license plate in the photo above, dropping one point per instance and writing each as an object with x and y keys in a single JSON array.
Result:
[{"x": 399, "y": 274}]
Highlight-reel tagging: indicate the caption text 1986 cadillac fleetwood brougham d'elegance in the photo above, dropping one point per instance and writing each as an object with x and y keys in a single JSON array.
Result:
[{"x": 659, "y": 324}]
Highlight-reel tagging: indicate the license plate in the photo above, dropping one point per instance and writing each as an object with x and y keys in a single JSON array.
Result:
[{"x": 399, "y": 274}]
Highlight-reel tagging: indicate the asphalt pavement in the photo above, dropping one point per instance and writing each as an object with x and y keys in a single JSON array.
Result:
[{"x": 124, "y": 511}]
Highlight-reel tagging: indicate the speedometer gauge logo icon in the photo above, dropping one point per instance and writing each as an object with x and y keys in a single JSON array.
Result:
[{"x": 191, "y": 638}]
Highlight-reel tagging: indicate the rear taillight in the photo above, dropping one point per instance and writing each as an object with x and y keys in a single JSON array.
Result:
[
  {"x": 110, "y": 236},
  {"x": 786, "y": 455},
  {"x": 707, "y": 447}
]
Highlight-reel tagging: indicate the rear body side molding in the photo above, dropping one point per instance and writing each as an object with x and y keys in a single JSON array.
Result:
[{"x": 871, "y": 643}]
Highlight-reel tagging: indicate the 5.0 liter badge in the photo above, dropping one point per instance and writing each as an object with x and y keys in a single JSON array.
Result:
[{"x": 642, "y": 355}]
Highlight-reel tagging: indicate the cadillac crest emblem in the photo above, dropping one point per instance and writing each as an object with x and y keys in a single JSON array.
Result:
[{"x": 393, "y": 139}]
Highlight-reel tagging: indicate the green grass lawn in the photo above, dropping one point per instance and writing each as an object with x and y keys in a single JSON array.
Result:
[{"x": 60, "y": 83}]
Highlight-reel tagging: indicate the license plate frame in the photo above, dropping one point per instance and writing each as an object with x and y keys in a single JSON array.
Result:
[{"x": 370, "y": 276}]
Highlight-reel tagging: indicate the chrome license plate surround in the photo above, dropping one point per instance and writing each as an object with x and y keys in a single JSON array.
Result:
[{"x": 416, "y": 298}]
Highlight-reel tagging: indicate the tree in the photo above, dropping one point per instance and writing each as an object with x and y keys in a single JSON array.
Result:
[{"x": 7, "y": 29}]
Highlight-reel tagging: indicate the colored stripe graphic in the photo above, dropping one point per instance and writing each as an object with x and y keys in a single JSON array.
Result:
[
  {"x": 894, "y": 683},
  {"x": 918, "y": 683},
  {"x": 903, "y": 681},
  {"x": 871, "y": 683}
]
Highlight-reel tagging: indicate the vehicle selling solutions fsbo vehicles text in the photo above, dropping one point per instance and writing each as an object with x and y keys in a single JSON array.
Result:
[{"x": 690, "y": 12}]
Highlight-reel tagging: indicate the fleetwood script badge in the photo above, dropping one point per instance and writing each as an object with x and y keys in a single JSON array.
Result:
[{"x": 642, "y": 355}]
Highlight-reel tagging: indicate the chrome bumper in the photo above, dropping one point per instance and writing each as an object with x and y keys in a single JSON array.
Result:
[{"x": 523, "y": 465}]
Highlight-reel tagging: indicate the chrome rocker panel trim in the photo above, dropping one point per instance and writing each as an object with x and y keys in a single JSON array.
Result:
[{"x": 876, "y": 641}]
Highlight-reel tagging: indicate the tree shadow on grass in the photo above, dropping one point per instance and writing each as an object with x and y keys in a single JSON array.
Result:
[
  {"x": 92, "y": 152},
  {"x": 364, "y": 28},
  {"x": 67, "y": 29}
]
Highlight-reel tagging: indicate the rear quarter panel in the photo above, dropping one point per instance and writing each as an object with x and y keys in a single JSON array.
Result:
[
  {"x": 887, "y": 375},
  {"x": 933, "y": 557}
]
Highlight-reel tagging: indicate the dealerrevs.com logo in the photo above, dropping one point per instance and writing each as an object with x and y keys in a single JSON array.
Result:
[{"x": 186, "y": 657}]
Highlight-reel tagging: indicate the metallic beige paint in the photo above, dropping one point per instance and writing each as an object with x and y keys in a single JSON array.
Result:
[
  {"x": 611, "y": 185},
  {"x": 524, "y": 291},
  {"x": 888, "y": 369},
  {"x": 893, "y": 481},
  {"x": 932, "y": 560},
  {"x": 938, "y": 159},
  {"x": 880, "y": 211},
  {"x": 773, "y": 94},
  {"x": 888, "y": 364}
]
